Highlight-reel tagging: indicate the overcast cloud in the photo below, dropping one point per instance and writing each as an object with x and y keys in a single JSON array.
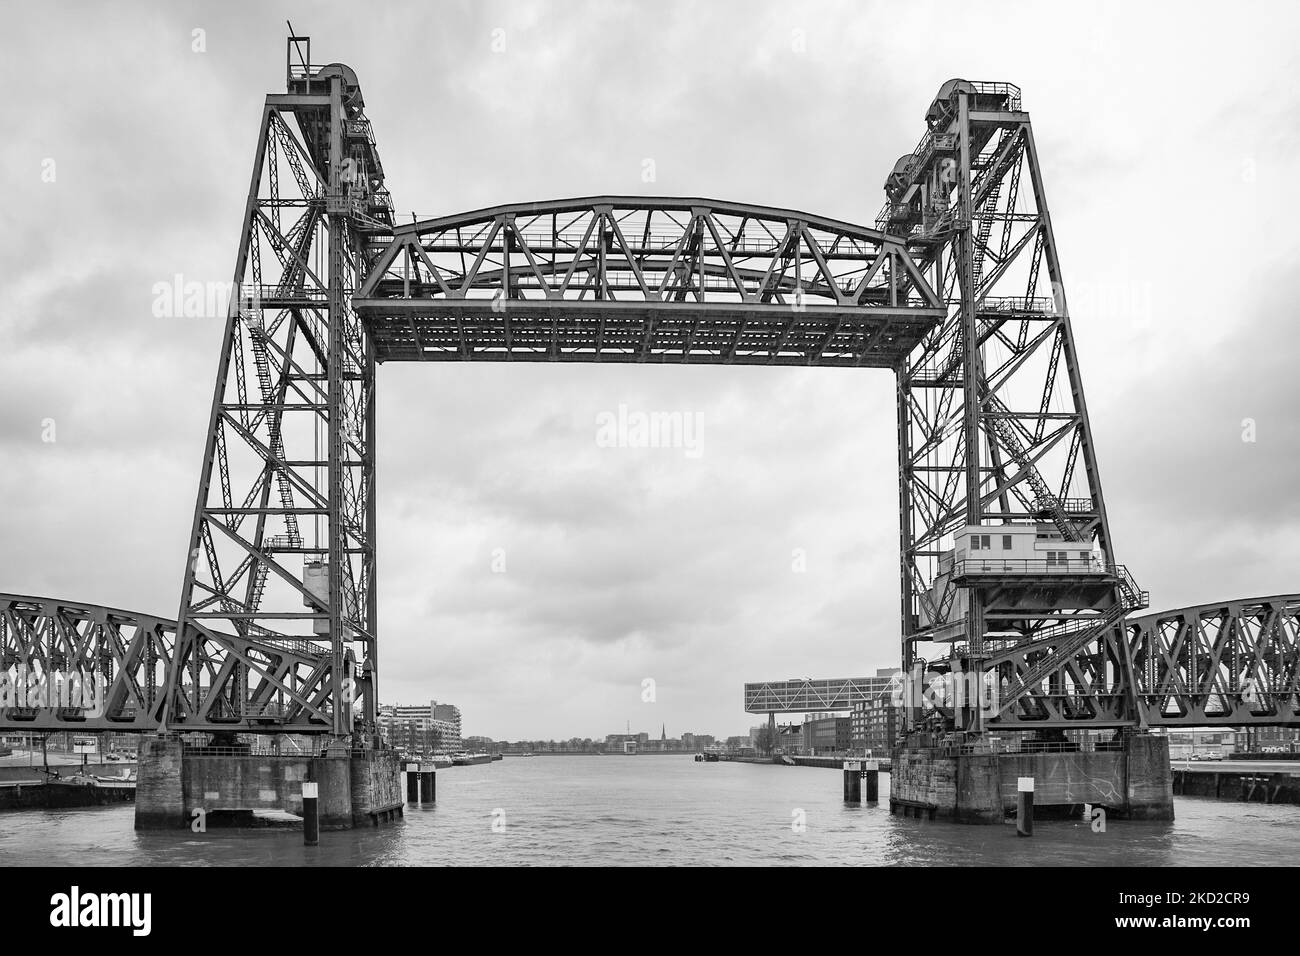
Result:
[{"x": 1169, "y": 147}]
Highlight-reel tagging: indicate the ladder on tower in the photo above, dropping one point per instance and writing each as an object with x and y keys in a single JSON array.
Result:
[
  {"x": 1011, "y": 442},
  {"x": 980, "y": 246},
  {"x": 293, "y": 539}
]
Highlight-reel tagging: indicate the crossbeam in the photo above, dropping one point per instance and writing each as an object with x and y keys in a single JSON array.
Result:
[{"x": 635, "y": 279}]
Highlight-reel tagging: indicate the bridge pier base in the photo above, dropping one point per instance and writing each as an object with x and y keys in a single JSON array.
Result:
[
  {"x": 179, "y": 785},
  {"x": 159, "y": 792},
  {"x": 1131, "y": 781}
]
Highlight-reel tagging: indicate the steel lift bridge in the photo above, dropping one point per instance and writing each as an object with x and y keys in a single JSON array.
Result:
[{"x": 956, "y": 289}]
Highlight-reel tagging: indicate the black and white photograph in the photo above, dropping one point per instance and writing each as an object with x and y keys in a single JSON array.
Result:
[{"x": 753, "y": 435}]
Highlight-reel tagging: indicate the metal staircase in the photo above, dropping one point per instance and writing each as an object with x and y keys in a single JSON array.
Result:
[
  {"x": 1070, "y": 637},
  {"x": 1062, "y": 653},
  {"x": 293, "y": 539},
  {"x": 987, "y": 214},
  {"x": 1011, "y": 442}
]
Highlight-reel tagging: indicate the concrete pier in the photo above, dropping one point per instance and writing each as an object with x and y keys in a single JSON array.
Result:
[
  {"x": 428, "y": 783},
  {"x": 1132, "y": 781},
  {"x": 871, "y": 781},
  {"x": 853, "y": 781},
  {"x": 233, "y": 786},
  {"x": 412, "y": 783}
]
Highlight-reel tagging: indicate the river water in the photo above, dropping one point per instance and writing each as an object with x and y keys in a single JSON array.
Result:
[{"x": 651, "y": 810}]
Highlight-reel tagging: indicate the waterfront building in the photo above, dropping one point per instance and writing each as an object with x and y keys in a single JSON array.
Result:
[
  {"x": 828, "y": 734},
  {"x": 421, "y": 727}
]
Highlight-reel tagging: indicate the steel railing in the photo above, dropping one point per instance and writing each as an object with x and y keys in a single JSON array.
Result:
[
  {"x": 1010, "y": 90},
  {"x": 1016, "y": 748},
  {"x": 1036, "y": 304},
  {"x": 1090, "y": 565},
  {"x": 259, "y": 752},
  {"x": 254, "y": 295},
  {"x": 1071, "y": 505}
]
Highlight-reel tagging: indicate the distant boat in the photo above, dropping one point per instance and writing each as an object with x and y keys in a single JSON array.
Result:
[
  {"x": 438, "y": 761},
  {"x": 463, "y": 759}
]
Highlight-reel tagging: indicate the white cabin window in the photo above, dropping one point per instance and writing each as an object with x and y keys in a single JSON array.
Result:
[
  {"x": 981, "y": 542},
  {"x": 1006, "y": 542}
]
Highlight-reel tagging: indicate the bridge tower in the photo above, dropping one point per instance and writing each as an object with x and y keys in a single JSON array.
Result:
[
  {"x": 1008, "y": 573},
  {"x": 282, "y": 547}
]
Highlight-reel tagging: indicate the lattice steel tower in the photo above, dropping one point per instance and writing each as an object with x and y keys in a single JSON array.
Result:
[
  {"x": 285, "y": 514},
  {"x": 1007, "y": 561}
]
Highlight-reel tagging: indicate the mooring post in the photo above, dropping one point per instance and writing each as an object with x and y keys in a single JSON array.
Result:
[
  {"x": 852, "y": 781},
  {"x": 310, "y": 814},
  {"x": 428, "y": 783},
  {"x": 412, "y": 783},
  {"x": 871, "y": 772},
  {"x": 1025, "y": 806}
]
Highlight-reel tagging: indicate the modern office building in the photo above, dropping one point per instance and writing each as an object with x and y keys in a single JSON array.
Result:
[
  {"x": 417, "y": 727},
  {"x": 446, "y": 717}
]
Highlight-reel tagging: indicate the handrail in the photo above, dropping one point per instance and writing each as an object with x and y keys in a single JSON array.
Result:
[
  {"x": 1075, "y": 505},
  {"x": 1089, "y": 565},
  {"x": 1017, "y": 747},
  {"x": 252, "y": 295},
  {"x": 1010, "y": 89},
  {"x": 259, "y": 752},
  {"x": 1014, "y": 303}
]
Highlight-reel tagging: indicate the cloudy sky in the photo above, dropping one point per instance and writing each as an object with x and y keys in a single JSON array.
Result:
[{"x": 1169, "y": 146}]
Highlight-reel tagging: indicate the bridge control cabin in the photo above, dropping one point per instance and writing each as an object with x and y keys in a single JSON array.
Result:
[
  {"x": 1006, "y": 548},
  {"x": 1022, "y": 569}
]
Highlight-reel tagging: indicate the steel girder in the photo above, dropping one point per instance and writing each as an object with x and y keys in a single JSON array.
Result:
[
  {"x": 993, "y": 427},
  {"x": 282, "y": 547},
  {"x": 811, "y": 696},
  {"x": 1231, "y": 664},
  {"x": 70, "y": 666},
  {"x": 635, "y": 279}
]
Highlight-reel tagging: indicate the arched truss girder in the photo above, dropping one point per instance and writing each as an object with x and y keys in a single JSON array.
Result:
[
  {"x": 1234, "y": 663},
  {"x": 69, "y": 666},
  {"x": 637, "y": 279}
]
